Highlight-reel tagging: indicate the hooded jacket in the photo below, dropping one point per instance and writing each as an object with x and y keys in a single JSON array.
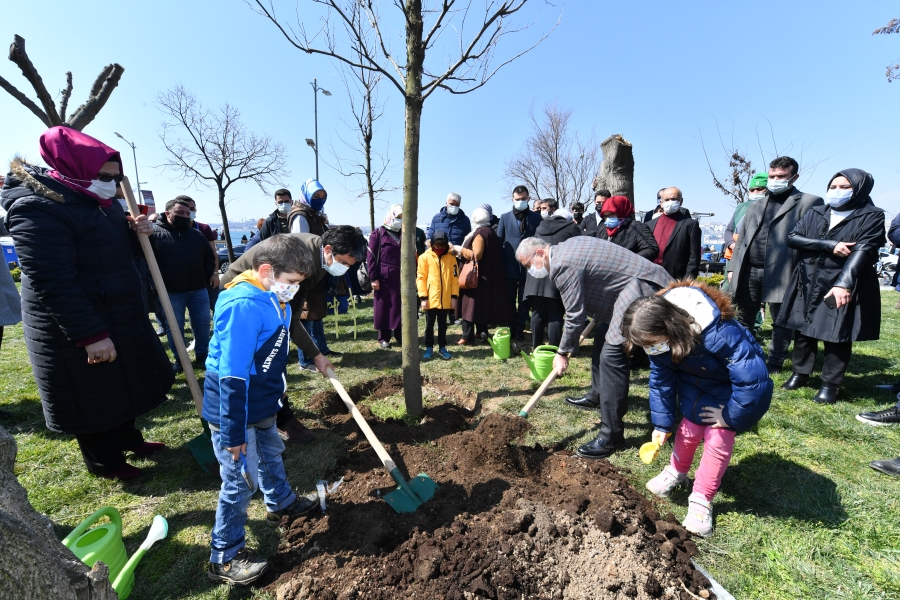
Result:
[
  {"x": 457, "y": 226},
  {"x": 437, "y": 277},
  {"x": 727, "y": 367},
  {"x": 248, "y": 354},
  {"x": 553, "y": 230}
]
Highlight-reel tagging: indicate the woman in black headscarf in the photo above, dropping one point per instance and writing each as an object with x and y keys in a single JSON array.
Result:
[{"x": 834, "y": 294}]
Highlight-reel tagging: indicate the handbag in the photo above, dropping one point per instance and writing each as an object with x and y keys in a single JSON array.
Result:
[{"x": 468, "y": 276}]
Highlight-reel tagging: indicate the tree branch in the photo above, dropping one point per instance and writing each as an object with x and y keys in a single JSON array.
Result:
[
  {"x": 18, "y": 55},
  {"x": 88, "y": 111},
  {"x": 25, "y": 101},
  {"x": 66, "y": 94}
]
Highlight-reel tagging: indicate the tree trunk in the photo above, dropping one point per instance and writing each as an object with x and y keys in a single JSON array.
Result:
[
  {"x": 228, "y": 243},
  {"x": 415, "y": 59},
  {"x": 33, "y": 563},
  {"x": 617, "y": 169}
]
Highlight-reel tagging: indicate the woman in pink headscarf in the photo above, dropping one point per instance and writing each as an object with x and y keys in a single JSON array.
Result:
[{"x": 97, "y": 362}]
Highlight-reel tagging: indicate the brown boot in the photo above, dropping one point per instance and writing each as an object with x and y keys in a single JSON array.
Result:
[{"x": 294, "y": 431}]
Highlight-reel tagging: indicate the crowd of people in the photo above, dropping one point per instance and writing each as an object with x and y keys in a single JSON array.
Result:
[{"x": 98, "y": 363}]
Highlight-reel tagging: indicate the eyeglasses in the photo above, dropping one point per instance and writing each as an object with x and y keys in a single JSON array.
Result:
[{"x": 106, "y": 177}]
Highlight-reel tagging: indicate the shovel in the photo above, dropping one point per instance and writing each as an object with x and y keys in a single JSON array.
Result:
[
  {"x": 587, "y": 331},
  {"x": 201, "y": 446},
  {"x": 537, "y": 395},
  {"x": 409, "y": 495}
]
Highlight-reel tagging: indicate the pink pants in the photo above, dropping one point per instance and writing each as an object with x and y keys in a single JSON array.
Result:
[{"x": 718, "y": 443}]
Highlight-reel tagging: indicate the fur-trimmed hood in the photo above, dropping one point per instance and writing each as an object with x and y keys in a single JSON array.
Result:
[
  {"x": 26, "y": 175},
  {"x": 700, "y": 301}
]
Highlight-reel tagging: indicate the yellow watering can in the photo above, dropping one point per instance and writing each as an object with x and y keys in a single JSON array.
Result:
[
  {"x": 104, "y": 543},
  {"x": 541, "y": 361},
  {"x": 500, "y": 343}
]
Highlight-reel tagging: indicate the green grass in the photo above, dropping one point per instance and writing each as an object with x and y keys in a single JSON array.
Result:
[{"x": 799, "y": 515}]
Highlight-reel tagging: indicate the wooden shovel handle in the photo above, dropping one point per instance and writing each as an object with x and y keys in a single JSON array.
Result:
[
  {"x": 526, "y": 410},
  {"x": 166, "y": 304},
  {"x": 389, "y": 464},
  {"x": 587, "y": 331}
]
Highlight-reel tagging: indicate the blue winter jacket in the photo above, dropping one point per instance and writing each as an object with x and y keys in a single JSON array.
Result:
[
  {"x": 727, "y": 368},
  {"x": 248, "y": 354},
  {"x": 457, "y": 226}
]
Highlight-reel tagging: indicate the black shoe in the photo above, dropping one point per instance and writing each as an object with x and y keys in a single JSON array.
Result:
[
  {"x": 893, "y": 388},
  {"x": 177, "y": 366},
  {"x": 520, "y": 337},
  {"x": 244, "y": 568},
  {"x": 333, "y": 354},
  {"x": 300, "y": 506},
  {"x": 598, "y": 448},
  {"x": 775, "y": 367},
  {"x": 796, "y": 381},
  {"x": 890, "y": 467},
  {"x": 827, "y": 394},
  {"x": 888, "y": 416},
  {"x": 582, "y": 402}
]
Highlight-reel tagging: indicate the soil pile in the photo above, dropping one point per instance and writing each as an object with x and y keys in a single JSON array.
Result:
[{"x": 508, "y": 521}]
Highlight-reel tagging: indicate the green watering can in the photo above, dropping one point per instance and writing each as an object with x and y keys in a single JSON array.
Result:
[
  {"x": 541, "y": 361},
  {"x": 500, "y": 343},
  {"x": 104, "y": 543}
]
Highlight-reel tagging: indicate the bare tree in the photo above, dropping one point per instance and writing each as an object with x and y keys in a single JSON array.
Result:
[
  {"x": 213, "y": 147},
  {"x": 554, "y": 162},
  {"x": 366, "y": 164},
  {"x": 366, "y": 42},
  {"x": 893, "y": 26},
  {"x": 100, "y": 92}
]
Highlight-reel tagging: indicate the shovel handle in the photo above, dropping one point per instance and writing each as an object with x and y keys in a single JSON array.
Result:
[
  {"x": 587, "y": 331},
  {"x": 526, "y": 410},
  {"x": 166, "y": 304},
  {"x": 389, "y": 464}
]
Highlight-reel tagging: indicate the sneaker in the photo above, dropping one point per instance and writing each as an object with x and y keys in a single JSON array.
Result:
[
  {"x": 333, "y": 354},
  {"x": 190, "y": 347},
  {"x": 429, "y": 353},
  {"x": 384, "y": 345},
  {"x": 699, "y": 519},
  {"x": 310, "y": 367},
  {"x": 294, "y": 431},
  {"x": 442, "y": 352},
  {"x": 244, "y": 568},
  {"x": 888, "y": 416},
  {"x": 300, "y": 506},
  {"x": 663, "y": 484}
]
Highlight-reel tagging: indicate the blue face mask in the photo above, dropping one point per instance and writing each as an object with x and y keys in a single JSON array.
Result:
[
  {"x": 318, "y": 203},
  {"x": 613, "y": 222},
  {"x": 838, "y": 198}
]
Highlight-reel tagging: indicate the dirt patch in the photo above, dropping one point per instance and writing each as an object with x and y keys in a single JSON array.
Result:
[{"x": 508, "y": 521}]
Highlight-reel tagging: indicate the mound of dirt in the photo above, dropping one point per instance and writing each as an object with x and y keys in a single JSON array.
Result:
[{"x": 508, "y": 521}]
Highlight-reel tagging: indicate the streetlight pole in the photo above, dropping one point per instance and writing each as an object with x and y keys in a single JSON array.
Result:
[
  {"x": 137, "y": 178},
  {"x": 315, "y": 146}
]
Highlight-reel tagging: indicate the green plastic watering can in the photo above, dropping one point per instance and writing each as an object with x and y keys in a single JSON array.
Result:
[
  {"x": 541, "y": 361},
  {"x": 104, "y": 543},
  {"x": 500, "y": 343}
]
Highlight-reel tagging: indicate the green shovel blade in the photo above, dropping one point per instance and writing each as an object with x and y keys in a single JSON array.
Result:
[
  {"x": 410, "y": 495},
  {"x": 202, "y": 449}
]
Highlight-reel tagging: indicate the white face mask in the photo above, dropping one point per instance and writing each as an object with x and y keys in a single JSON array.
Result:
[
  {"x": 777, "y": 186},
  {"x": 657, "y": 349},
  {"x": 335, "y": 268},
  {"x": 103, "y": 189},
  {"x": 837, "y": 198},
  {"x": 396, "y": 224},
  {"x": 193, "y": 215},
  {"x": 757, "y": 196},
  {"x": 283, "y": 291},
  {"x": 670, "y": 207},
  {"x": 545, "y": 214},
  {"x": 284, "y": 207},
  {"x": 520, "y": 205},
  {"x": 452, "y": 210},
  {"x": 539, "y": 273}
]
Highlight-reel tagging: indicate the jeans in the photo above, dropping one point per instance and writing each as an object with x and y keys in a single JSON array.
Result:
[
  {"x": 266, "y": 470},
  {"x": 316, "y": 330},
  {"x": 549, "y": 312},
  {"x": 197, "y": 304},
  {"x": 718, "y": 444},
  {"x": 837, "y": 357},
  {"x": 439, "y": 315},
  {"x": 610, "y": 376},
  {"x": 515, "y": 291},
  {"x": 747, "y": 296}
]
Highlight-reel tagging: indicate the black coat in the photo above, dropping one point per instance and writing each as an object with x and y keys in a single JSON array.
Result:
[
  {"x": 185, "y": 258},
  {"x": 79, "y": 281},
  {"x": 274, "y": 223},
  {"x": 681, "y": 258},
  {"x": 819, "y": 270},
  {"x": 588, "y": 224},
  {"x": 633, "y": 236},
  {"x": 553, "y": 230}
]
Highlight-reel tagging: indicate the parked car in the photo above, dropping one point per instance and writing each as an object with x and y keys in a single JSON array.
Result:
[{"x": 222, "y": 251}]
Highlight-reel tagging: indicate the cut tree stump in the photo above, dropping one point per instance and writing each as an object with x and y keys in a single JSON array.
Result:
[
  {"x": 33, "y": 563},
  {"x": 617, "y": 169}
]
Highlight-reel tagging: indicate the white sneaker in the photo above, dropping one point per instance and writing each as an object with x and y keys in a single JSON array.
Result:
[
  {"x": 663, "y": 484},
  {"x": 699, "y": 519}
]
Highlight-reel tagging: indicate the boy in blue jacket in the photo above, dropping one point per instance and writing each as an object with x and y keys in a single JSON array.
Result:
[{"x": 245, "y": 380}]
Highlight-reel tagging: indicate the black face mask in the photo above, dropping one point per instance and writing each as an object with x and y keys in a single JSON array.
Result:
[
  {"x": 598, "y": 207},
  {"x": 181, "y": 222}
]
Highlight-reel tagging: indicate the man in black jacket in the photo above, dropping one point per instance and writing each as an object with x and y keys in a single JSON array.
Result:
[
  {"x": 590, "y": 223},
  {"x": 678, "y": 237},
  {"x": 186, "y": 262},
  {"x": 277, "y": 222}
]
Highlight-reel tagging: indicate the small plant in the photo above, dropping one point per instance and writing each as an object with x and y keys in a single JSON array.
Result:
[
  {"x": 353, "y": 305},
  {"x": 16, "y": 275},
  {"x": 714, "y": 279},
  {"x": 334, "y": 305}
]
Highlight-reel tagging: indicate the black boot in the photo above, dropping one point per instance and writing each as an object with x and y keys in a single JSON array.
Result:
[
  {"x": 796, "y": 381},
  {"x": 827, "y": 394},
  {"x": 890, "y": 467}
]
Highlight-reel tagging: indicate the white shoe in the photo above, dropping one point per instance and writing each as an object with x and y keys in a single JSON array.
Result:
[
  {"x": 699, "y": 519},
  {"x": 190, "y": 348},
  {"x": 663, "y": 484}
]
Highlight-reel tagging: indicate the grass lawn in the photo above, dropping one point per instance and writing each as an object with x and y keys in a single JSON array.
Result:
[{"x": 799, "y": 514}]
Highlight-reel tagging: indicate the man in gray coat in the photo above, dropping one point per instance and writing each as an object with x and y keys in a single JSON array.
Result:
[
  {"x": 761, "y": 267},
  {"x": 598, "y": 278}
]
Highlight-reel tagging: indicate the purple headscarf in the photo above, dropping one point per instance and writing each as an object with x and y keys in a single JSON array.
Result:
[{"x": 76, "y": 158}]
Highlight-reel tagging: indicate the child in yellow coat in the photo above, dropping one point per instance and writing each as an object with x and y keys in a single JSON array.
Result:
[{"x": 437, "y": 283}]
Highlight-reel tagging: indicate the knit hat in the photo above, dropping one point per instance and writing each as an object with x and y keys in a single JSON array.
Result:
[{"x": 758, "y": 180}]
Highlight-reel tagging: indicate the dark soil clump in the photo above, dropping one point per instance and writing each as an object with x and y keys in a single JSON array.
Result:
[{"x": 507, "y": 522}]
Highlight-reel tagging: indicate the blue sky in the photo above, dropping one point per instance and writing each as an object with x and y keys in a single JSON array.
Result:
[{"x": 660, "y": 73}]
